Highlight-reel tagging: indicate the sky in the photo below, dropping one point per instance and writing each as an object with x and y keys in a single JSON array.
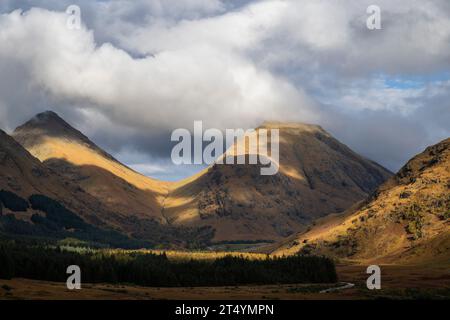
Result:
[{"x": 137, "y": 70}]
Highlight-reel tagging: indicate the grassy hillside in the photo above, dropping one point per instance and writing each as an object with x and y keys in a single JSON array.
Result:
[{"x": 406, "y": 221}]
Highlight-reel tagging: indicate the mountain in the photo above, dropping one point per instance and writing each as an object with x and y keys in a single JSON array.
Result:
[
  {"x": 24, "y": 175},
  {"x": 407, "y": 220},
  {"x": 36, "y": 201},
  {"x": 70, "y": 153},
  {"x": 317, "y": 176}
]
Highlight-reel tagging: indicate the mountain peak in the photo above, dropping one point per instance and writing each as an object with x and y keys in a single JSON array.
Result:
[
  {"x": 48, "y": 121},
  {"x": 46, "y": 115},
  {"x": 47, "y": 134},
  {"x": 47, "y": 124},
  {"x": 298, "y": 126}
]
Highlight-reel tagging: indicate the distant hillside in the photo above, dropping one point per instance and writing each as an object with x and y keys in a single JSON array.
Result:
[{"x": 406, "y": 221}]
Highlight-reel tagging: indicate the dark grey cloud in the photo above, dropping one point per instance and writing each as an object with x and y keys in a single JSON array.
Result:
[{"x": 385, "y": 137}]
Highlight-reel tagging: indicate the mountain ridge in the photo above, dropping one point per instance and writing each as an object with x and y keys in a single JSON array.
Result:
[
  {"x": 318, "y": 176},
  {"x": 307, "y": 171},
  {"x": 65, "y": 149},
  {"x": 49, "y": 123}
]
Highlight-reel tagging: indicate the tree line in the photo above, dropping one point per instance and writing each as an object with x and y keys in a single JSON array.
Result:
[{"x": 148, "y": 269}]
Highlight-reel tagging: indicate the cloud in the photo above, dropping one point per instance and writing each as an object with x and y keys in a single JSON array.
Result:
[
  {"x": 136, "y": 70},
  {"x": 414, "y": 37},
  {"x": 166, "y": 90}
]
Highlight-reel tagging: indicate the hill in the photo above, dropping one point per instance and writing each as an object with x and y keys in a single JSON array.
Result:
[
  {"x": 406, "y": 221},
  {"x": 317, "y": 176}
]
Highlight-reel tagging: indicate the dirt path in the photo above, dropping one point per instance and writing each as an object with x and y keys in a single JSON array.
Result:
[{"x": 347, "y": 285}]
